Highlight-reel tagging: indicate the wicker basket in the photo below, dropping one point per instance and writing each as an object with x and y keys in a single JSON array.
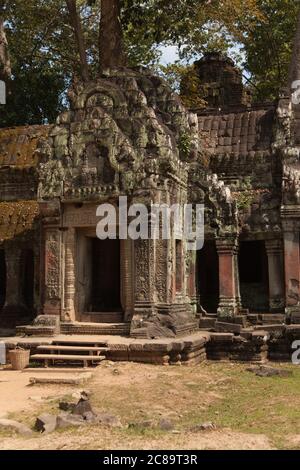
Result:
[{"x": 19, "y": 358}]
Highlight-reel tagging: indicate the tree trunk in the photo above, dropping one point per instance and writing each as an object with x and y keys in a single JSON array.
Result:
[
  {"x": 5, "y": 67},
  {"x": 111, "y": 46},
  {"x": 76, "y": 25}
]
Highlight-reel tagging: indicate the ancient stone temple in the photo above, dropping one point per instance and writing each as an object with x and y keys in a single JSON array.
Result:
[{"x": 127, "y": 134}]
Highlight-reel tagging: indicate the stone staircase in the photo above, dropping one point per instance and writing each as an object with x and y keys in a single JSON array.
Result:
[{"x": 70, "y": 352}]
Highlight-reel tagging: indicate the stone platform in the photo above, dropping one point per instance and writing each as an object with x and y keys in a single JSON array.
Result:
[
  {"x": 168, "y": 351},
  {"x": 258, "y": 343}
]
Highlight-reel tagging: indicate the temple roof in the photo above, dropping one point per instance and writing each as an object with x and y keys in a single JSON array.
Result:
[
  {"x": 18, "y": 145},
  {"x": 17, "y": 218},
  {"x": 237, "y": 132}
]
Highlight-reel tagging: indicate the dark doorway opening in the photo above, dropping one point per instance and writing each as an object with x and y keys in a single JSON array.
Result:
[
  {"x": 28, "y": 279},
  {"x": 208, "y": 276},
  {"x": 254, "y": 276},
  {"x": 106, "y": 276},
  {"x": 2, "y": 279}
]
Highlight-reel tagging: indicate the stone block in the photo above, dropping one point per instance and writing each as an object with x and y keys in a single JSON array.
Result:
[
  {"x": 270, "y": 328},
  {"x": 228, "y": 327},
  {"x": 222, "y": 337},
  {"x": 68, "y": 420},
  {"x": 46, "y": 423},
  {"x": 12, "y": 425},
  {"x": 272, "y": 318},
  {"x": 205, "y": 322}
]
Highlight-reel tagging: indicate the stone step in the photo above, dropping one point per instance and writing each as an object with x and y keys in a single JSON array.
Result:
[
  {"x": 118, "y": 329},
  {"x": 103, "y": 317},
  {"x": 76, "y": 342},
  {"x": 78, "y": 348},
  {"x": 66, "y": 358}
]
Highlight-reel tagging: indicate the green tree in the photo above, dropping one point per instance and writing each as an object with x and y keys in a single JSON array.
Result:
[
  {"x": 45, "y": 53},
  {"x": 268, "y": 46}
]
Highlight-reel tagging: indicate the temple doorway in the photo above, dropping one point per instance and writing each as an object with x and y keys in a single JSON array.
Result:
[
  {"x": 254, "y": 277},
  {"x": 208, "y": 276},
  {"x": 2, "y": 278},
  {"x": 106, "y": 285}
]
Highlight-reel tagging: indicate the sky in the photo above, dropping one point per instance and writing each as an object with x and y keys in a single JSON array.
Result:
[{"x": 169, "y": 55}]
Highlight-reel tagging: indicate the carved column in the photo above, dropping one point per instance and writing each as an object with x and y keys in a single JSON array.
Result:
[
  {"x": 144, "y": 281},
  {"x": 275, "y": 266},
  {"x": 229, "y": 302},
  {"x": 192, "y": 280},
  {"x": 126, "y": 278},
  {"x": 52, "y": 264},
  {"x": 163, "y": 293},
  {"x": 14, "y": 302},
  {"x": 70, "y": 278},
  {"x": 291, "y": 268}
]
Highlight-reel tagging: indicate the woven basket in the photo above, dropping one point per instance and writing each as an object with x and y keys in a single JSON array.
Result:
[{"x": 19, "y": 358}]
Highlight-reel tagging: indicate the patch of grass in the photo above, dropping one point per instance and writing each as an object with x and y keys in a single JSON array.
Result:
[{"x": 254, "y": 404}]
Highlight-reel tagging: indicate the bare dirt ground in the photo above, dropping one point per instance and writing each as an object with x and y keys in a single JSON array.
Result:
[{"x": 249, "y": 412}]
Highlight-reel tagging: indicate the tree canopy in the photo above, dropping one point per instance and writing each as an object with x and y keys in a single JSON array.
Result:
[{"x": 44, "y": 52}]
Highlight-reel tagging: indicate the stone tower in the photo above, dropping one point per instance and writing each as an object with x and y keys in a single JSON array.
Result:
[{"x": 221, "y": 79}]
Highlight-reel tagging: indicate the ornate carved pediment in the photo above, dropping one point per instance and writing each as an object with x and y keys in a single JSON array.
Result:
[{"x": 122, "y": 132}]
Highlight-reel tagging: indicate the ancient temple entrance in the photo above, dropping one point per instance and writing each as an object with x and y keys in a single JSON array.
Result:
[
  {"x": 98, "y": 279},
  {"x": 253, "y": 271},
  {"x": 2, "y": 278},
  {"x": 208, "y": 276},
  {"x": 105, "y": 292}
]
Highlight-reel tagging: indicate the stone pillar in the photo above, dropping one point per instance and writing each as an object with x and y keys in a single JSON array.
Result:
[
  {"x": 126, "y": 278},
  {"x": 292, "y": 270},
  {"x": 52, "y": 266},
  {"x": 144, "y": 282},
  {"x": 70, "y": 278},
  {"x": 14, "y": 306},
  {"x": 274, "y": 251},
  {"x": 229, "y": 302},
  {"x": 192, "y": 280}
]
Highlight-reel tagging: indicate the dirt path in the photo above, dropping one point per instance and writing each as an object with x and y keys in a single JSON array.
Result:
[{"x": 17, "y": 395}]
